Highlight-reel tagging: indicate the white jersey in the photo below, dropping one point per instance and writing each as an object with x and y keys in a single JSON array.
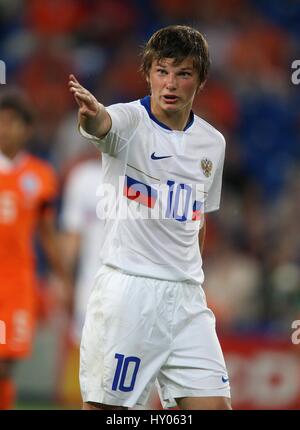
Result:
[
  {"x": 79, "y": 216},
  {"x": 171, "y": 176}
]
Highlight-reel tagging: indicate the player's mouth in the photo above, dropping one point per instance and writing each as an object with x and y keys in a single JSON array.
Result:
[{"x": 170, "y": 98}]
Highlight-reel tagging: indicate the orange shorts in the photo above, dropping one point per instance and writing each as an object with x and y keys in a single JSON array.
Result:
[{"x": 17, "y": 322}]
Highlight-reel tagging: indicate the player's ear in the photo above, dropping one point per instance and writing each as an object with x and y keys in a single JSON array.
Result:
[
  {"x": 200, "y": 87},
  {"x": 148, "y": 81}
]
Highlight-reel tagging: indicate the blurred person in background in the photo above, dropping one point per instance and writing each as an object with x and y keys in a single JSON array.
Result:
[
  {"x": 241, "y": 276},
  {"x": 28, "y": 188},
  {"x": 82, "y": 225},
  {"x": 149, "y": 285}
]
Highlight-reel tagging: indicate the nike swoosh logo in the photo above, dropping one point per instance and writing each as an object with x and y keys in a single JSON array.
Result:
[
  {"x": 154, "y": 157},
  {"x": 225, "y": 379}
]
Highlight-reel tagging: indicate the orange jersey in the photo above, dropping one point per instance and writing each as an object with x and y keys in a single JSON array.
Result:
[{"x": 26, "y": 189}]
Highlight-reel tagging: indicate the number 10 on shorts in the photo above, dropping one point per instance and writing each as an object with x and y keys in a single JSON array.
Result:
[{"x": 123, "y": 363}]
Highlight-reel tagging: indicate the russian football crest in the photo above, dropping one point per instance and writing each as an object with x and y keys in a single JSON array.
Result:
[{"x": 206, "y": 166}]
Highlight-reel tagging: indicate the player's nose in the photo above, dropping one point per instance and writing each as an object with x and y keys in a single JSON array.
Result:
[{"x": 171, "y": 82}]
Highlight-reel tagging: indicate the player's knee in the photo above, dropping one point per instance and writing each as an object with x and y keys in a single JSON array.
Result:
[
  {"x": 223, "y": 403},
  {"x": 93, "y": 406},
  {"x": 217, "y": 404},
  {"x": 204, "y": 403}
]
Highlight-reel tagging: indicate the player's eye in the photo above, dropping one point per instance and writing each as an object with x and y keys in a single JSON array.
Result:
[
  {"x": 185, "y": 74},
  {"x": 162, "y": 71}
]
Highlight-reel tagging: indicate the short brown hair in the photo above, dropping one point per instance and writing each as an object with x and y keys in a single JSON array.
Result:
[
  {"x": 178, "y": 42},
  {"x": 18, "y": 102}
]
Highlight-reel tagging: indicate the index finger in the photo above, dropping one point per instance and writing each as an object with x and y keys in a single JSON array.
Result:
[{"x": 72, "y": 78}]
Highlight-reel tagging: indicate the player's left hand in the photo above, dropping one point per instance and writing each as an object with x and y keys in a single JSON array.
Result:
[{"x": 61, "y": 291}]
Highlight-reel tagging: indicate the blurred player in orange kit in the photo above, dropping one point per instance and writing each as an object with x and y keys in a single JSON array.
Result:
[{"x": 28, "y": 188}]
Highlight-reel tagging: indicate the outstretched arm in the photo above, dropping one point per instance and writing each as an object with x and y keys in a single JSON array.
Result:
[{"x": 92, "y": 115}]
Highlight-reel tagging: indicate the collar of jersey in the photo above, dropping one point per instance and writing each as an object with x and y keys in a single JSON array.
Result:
[
  {"x": 8, "y": 164},
  {"x": 146, "y": 103}
]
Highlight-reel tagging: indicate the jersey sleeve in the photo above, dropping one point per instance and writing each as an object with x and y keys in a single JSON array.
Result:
[
  {"x": 125, "y": 118},
  {"x": 72, "y": 215},
  {"x": 212, "y": 202}
]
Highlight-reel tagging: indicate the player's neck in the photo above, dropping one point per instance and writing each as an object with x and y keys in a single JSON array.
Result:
[
  {"x": 11, "y": 154},
  {"x": 174, "y": 120}
]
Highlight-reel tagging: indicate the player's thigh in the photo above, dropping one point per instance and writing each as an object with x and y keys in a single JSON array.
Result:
[
  {"x": 93, "y": 406},
  {"x": 204, "y": 403},
  {"x": 195, "y": 367},
  {"x": 123, "y": 346},
  {"x": 18, "y": 316}
]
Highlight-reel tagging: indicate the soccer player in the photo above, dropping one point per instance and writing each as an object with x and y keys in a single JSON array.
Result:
[
  {"x": 147, "y": 317},
  {"x": 28, "y": 187}
]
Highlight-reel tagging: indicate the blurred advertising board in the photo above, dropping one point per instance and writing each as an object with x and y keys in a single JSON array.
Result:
[{"x": 264, "y": 372}]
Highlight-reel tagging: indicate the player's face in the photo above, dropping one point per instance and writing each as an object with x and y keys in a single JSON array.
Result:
[
  {"x": 173, "y": 87},
  {"x": 13, "y": 132}
]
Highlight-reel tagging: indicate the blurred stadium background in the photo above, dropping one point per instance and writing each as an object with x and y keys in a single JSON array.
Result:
[{"x": 252, "y": 250}]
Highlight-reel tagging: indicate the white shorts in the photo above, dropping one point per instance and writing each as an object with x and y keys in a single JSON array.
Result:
[{"x": 140, "y": 329}]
